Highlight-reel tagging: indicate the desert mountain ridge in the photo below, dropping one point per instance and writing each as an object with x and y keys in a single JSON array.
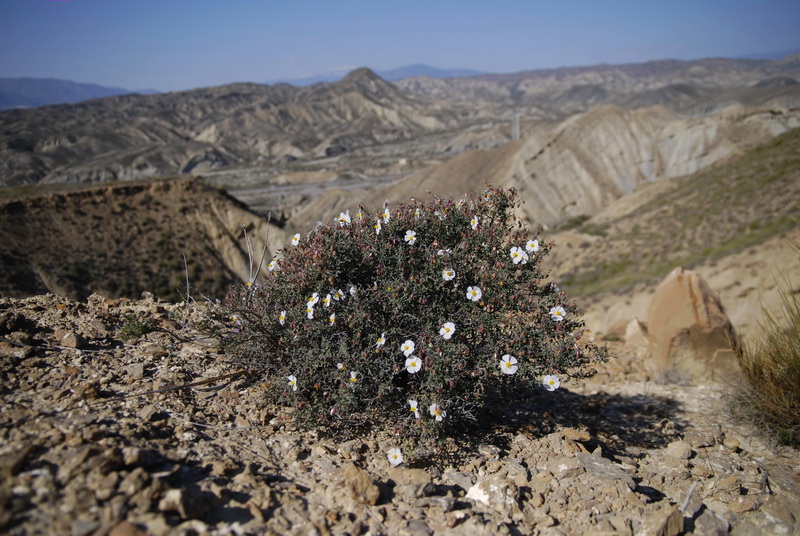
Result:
[
  {"x": 390, "y": 75},
  {"x": 624, "y": 84},
  {"x": 140, "y": 136},
  {"x": 243, "y": 126}
]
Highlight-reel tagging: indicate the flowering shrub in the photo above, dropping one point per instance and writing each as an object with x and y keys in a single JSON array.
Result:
[{"x": 380, "y": 317}]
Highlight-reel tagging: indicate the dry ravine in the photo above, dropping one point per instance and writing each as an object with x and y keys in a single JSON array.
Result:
[{"x": 84, "y": 452}]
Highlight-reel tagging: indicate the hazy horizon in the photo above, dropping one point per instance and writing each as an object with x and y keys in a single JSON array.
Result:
[{"x": 180, "y": 45}]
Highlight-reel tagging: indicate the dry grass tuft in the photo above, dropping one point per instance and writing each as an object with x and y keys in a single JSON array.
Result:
[{"x": 771, "y": 366}]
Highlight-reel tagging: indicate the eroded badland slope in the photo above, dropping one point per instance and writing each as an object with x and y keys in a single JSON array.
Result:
[{"x": 123, "y": 239}]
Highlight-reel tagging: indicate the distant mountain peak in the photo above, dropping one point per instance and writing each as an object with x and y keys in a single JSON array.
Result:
[{"x": 362, "y": 74}]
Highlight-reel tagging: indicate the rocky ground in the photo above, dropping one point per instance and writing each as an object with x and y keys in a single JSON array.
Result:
[{"x": 87, "y": 447}]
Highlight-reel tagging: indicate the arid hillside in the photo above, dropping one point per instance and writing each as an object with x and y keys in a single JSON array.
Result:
[
  {"x": 737, "y": 224},
  {"x": 578, "y": 166},
  {"x": 139, "y": 136},
  {"x": 121, "y": 240}
]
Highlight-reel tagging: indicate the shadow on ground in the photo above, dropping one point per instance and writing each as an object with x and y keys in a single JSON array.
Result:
[{"x": 612, "y": 420}]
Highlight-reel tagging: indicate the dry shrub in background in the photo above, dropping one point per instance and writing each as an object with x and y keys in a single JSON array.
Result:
[{"x": 412, "y": 319}]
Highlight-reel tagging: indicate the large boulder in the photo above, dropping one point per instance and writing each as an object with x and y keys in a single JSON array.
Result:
[{"x": 689, "y": 332}]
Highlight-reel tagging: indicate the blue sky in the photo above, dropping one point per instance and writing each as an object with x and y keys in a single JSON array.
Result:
[{"x": 177, "y": 44}]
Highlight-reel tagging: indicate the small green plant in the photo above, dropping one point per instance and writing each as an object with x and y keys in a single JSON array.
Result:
[
  {"x": 413, "y": 318},
  {"x": 135, "y": 327},
  {"x": 771, "y": 367}
]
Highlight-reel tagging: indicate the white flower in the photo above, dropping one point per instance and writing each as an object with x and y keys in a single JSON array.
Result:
[
  {"x": 353, "y": 290},
  {"x": 443, "y": 251},
  {"x": 340, "y": 366},
  {"x": 411, "y": 237},
  {"x": 474, "y": 293},
  {"x": 518, "y": 255},
  {"x": 557, "y": 313},
  {"x": 273, "y": 265},
  {"x": 532, "y": 246},
  {"x": 386, "y": 215},
  {"x": 448, "y": 274},
  {"x": 447, "y": 330},
  {"x": 438, "y": 214},
  {"x": 312, "y": 301},
  {"x": 332, "y": 318},
  {"x": 408, "y": 347},
  {"x": 326, "y": 301},
  {"x": 508, "y": 364},
  {"x": 344, "y": 218},
  {"x": 474, "y": 222},
  {"x": 413, "y": 364},
  {"x": 353, "y": 376},
  {"x": 293, "y": 382},
  {"x": 551, "y": 383},
  {"x": 377, "y": 227},
  {"x": 338, "y": 295},
  {"x": 310, "y": 312},
  {"x": 296, "y": 239},
  {"x": 395, "y": 456},
  {"x": 381, "y": 340},
  {"x": 437, "y": 412},
  {"x": 282, "y": 318},
  {"x": 414, "y": 408},
  {"x": 417, "y": 213}
]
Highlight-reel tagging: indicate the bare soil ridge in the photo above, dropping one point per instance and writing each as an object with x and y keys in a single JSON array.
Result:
[{"x": 128, "y": 238}]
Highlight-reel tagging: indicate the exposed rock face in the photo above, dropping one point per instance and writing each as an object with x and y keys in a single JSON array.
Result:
[{"x": 689, "y": 332}]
